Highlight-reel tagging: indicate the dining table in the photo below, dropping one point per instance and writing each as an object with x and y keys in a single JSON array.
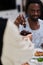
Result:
[{"x": 37, "y": 60}]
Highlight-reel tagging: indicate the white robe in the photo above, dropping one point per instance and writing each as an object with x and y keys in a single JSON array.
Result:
[{"x": 15, "y": 50}]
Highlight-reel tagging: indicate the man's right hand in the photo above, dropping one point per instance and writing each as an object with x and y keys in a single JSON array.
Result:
[{"x": 20, "y": 20}]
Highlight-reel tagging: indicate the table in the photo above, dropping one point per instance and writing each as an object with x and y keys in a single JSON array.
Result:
[{"x": 34, "y": 61}]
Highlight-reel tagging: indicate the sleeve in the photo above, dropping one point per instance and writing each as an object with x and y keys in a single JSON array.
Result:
[
  {"x": 14, "y": 48},
  {"x": 6, "y": 60},
  {"x": 10, "y": 39}
]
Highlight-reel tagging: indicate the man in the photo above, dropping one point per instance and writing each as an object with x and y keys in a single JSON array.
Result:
[{"x": 33, "y": 23}]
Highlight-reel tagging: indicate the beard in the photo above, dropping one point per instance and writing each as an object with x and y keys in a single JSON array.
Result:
[{"x": 34, "y": 19}]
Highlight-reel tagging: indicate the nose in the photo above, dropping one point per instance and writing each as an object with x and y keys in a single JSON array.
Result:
[{"x": 36, "y": 13}]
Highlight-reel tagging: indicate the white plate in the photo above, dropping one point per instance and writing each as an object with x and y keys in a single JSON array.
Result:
[{"x": 34, "y": 61}]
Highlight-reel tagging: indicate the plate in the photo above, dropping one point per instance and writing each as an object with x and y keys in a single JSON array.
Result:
[
  {"x": 35, "y": 59},
  {"x": 39, "y": 50}
]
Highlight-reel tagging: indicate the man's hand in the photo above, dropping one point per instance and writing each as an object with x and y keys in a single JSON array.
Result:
[{"x": 20, "y": 20}]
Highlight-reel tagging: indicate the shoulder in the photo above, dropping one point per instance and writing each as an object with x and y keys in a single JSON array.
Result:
[{"x": 40, "y": 20}]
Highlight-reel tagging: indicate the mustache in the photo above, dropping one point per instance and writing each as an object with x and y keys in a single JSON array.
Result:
[{"x": 35, "y": 15}]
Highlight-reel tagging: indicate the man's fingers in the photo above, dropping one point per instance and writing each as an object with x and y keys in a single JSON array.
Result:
[{"x": 20, "y": 20}]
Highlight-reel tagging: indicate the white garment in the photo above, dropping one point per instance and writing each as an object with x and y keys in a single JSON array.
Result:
[
  {"x": 15, "y": 50},
  {"x": 37, "y": 35}
]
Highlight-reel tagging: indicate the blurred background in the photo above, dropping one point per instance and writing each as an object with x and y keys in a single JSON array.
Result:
[{"x": 10, "y": 8}]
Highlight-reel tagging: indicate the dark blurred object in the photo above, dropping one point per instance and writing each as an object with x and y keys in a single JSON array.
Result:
[
  {"x": 7, "y": 4},
  {"x": 1, "y": 63},
  {"x": 3, "y": 23},
  {"x": 42, "y": 45},
  {"x": 18, "y": 8},
  {"x": 41, "y": 12},
  {"x": 24, "y": 33}
]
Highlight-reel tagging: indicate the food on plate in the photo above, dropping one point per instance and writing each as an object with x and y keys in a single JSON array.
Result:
[
  {"x": 40, "y": 59},
  {"x": 38, "y": 53}
]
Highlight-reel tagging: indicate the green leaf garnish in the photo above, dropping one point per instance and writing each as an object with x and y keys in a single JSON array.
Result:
[{"x": 40, "y": 59}]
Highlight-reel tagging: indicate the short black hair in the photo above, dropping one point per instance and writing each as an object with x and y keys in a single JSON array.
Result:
[{"x": 28, "y": 2}]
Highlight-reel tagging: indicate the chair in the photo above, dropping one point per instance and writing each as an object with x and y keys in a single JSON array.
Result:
[{"x": 3, "y": 22}]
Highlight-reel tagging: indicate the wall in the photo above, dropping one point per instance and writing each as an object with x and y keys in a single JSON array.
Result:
[
  {"x": 42, "y": 0},
  {"x": 10, "y": 14}
]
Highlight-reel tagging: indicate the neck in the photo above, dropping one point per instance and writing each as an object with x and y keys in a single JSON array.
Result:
[{"x": 34, "y": 25}]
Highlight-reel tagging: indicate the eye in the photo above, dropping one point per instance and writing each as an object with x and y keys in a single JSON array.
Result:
[
  {"x": 38, "y": 11},
  {"x": 32, "y": 10}
]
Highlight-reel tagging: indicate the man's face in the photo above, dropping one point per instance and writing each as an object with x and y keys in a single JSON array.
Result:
[{"x": 34, "y": 11}]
